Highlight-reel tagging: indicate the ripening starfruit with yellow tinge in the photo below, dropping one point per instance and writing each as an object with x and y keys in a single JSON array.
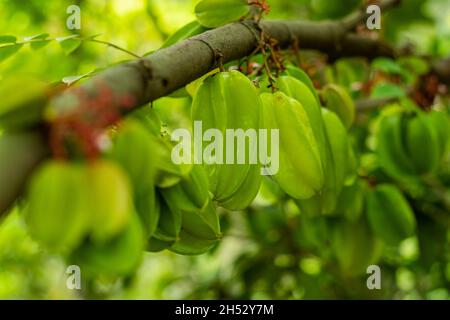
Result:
[
  {"x": 58, "y": 214},
  {"x": 336, "y": 170},
  {"x": 338, "y": 100},
  {"x": 110, "y": 199},
  {"x": 300, "y": 172},
  {"x": 71, "y": 201},
  {"x": 300, "y": 91},
  {"x": 331, "y": 149},
  {"x": 229, "y": 100},
  {"x": 303, "y": 77}
]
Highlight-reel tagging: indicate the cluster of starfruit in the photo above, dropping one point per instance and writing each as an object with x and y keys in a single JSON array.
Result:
[
  {"x": 102, "y": 214},
  {"x": 411, "y": 142}
]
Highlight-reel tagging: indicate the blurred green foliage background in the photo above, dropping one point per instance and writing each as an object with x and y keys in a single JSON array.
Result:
[{"x": 260, "y": 256}]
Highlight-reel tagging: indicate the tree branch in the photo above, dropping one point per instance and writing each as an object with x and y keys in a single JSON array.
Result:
[
  {"x": 168, "y": 69},
  {"x": 20, "y": 153}
]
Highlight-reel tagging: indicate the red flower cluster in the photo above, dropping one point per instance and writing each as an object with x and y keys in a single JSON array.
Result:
[{"x": 79, "y": 130}]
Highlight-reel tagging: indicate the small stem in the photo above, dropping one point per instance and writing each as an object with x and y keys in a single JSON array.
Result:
[
  {"x": 277, "y": 62},
  {"x": 76, "y": 38},
  {"x": 239, "y": 236},
  {"x": 262, "y": 47},
  {"x": 115, "y": 47},
  {"x": 219, "y": 58}
]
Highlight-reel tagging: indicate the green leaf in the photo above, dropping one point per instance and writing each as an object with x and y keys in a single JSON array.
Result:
[
  {"x": 148, "y": 53},
  {"x": 35, "y": 45},
  {"x": 69, "y": 44},
  {"x": 37, "y": 41},
  {"x": 387, "y": 65},
  {"x": 215, "y": 13},
  {"x": 7, "y": 39},
  {"x": 7, "y": 51},
  {"x": 414, "y": 65},
  {"x": 388, "y": 90},
  {"x": 191, "y": 29}
]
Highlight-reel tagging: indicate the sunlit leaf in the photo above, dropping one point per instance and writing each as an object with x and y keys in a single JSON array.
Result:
[
  {"x": 414, "y": 65},
  {"x": 37, "y": 41},
  {"x": 387, "y": 65},
  {"x": 148, "y": 53},
  {"x": 35, "y": 45},
  {"x": 215, "y": 13},
  {"x": 388, "y": 90},
  {"x": 7, "y": 39}
]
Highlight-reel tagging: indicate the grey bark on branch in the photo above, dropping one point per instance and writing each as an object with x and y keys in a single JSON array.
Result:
[{"x": 169, "y": 69}]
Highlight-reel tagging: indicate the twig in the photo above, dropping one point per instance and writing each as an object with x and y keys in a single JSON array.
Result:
[
  {"x": 112, "y": 45},
  {"x": 74, "y": 38}
]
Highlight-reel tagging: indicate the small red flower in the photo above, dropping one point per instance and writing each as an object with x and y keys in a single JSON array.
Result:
[{"x": 82, "y": 126}]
